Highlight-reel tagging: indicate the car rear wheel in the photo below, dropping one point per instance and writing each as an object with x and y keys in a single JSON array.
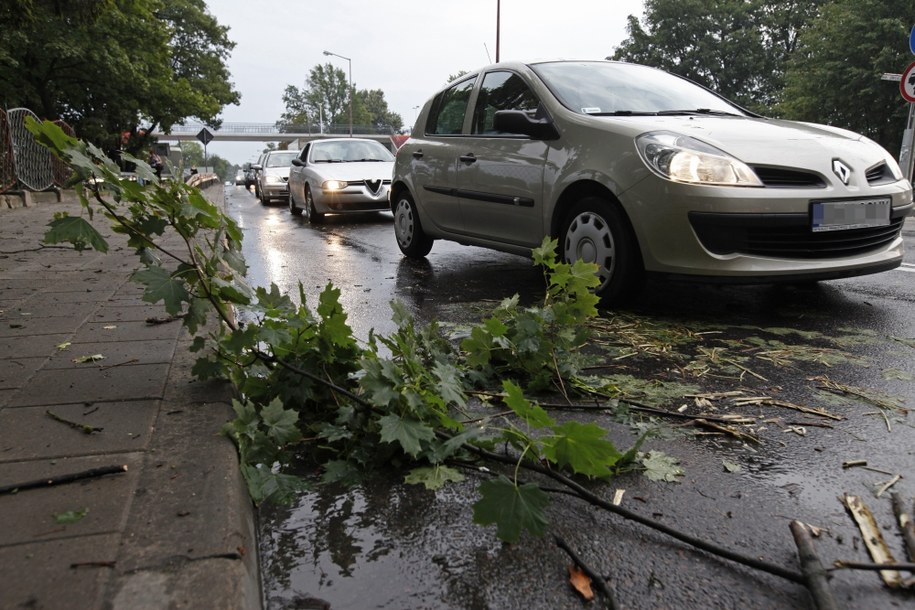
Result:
[
  {"x": 313, "y": 215},
  {"x": 596, "y": 231},
  {"x": 411, "y": 239}
]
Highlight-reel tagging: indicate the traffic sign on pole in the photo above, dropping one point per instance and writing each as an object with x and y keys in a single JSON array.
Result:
[
  {"x": 907, "y": 83},
  {"x": 205, "y": 136}
]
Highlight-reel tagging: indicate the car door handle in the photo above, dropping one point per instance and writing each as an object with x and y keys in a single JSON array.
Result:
[
  {"x": 418, "y": 154},
  {"x": 468, "y": 158}
]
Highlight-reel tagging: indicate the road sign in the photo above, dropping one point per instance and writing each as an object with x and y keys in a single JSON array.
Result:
[
  {"x": 912, "y": 40},
  {"x": 205, "y": 136},
  {"x": 907, "y": 83}
]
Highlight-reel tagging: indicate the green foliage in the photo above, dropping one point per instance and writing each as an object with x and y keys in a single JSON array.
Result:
[
  {"x": 326, "y": 96},
  {"x": 307, "y": 390},
  {"x": 151, "y": 63},
  {"x": 539, "y": 344},
  {"x": 835, "y": 75},
  {"x": 512, "y": 508}
]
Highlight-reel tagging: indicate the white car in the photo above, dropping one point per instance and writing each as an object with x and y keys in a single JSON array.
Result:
[
  {"x": 273, "y": 175},
  {"x": 643, "y": 172},
  {"x": 340, "y": 175}
]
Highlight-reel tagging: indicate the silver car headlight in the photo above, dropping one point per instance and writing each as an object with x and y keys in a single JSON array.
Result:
[
  {"x": 334, "y": 185},
  {"x": 685, "y": 159}
]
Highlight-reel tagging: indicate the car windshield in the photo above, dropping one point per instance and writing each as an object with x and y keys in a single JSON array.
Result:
[
  {"x": 281, "y": 159},
  {"x": 349, "y": 151},
  {"x": 620, "y": 89}
]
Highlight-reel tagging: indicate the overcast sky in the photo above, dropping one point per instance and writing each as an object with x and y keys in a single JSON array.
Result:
[{"x": 406, "y": 48}]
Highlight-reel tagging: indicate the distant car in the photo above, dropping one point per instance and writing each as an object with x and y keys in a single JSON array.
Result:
[
  {"x": 250, "y": 176},
  {"x": 644, "y": 172},
  {"x": 240, "y": 177},
  {"x": 273, "y": 175},
  {"x": 342, "y": 175},
  {"x": 255, "y": 172}
]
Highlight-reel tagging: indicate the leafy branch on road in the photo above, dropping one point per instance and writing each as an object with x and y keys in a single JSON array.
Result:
[{"x": 306, "y": 387}]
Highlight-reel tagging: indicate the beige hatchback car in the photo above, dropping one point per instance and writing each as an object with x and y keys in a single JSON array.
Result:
[{"x": 643, "y": 172}]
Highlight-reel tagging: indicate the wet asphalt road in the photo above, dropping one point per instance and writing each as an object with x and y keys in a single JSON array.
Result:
[{"x": 389, "y": 545}]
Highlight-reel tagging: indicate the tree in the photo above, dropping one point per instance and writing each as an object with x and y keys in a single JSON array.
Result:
[
  {"x": 325, "y": 99},
  {"x": 737, "y": 48},
  {"x": 112, "y": 67},
  {"x": 376, "y": 111},
  {"x": 834, "y": 75}
]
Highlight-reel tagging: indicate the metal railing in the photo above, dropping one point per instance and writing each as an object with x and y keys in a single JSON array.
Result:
[{"x": 24, "y": 163}]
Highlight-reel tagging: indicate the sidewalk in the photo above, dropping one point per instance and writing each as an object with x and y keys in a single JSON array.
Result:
[{"x": 176, "y": 530}]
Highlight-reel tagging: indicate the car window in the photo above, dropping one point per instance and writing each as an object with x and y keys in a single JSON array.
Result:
[
  {"x": 304, "y": 154},
  {"x": 502, "y": 90},
  {"x": 449, "y": 108}
]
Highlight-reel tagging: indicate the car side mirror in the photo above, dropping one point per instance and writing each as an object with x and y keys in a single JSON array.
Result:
[
  {"x": 257, "y": 167},
  {"x": 517, "y": 121},
  {"x": 298, "y": 162}
]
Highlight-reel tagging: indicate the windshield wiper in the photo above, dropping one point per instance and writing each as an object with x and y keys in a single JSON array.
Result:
[
  {"x": 695, "y": 111},
  {"x": 622, "y": 113}
]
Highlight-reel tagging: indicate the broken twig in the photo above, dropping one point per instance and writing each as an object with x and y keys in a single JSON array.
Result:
[
  {"x": 596, "y": 578},
  {"x": 814, "y": 573},
  {"x": 84, "y": 428},
  {"x": 64, "y": 478}
]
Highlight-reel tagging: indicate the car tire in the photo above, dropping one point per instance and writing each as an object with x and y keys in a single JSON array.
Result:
[
  {"x": 411, "y": 239},
  {"x": 313, "y": 216},
  {"x": 293, "y": 208},
  {"x": 595, "y": 230}
]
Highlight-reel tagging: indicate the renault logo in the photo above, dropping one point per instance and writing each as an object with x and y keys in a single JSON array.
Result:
[{"x": 841, "y": 170}]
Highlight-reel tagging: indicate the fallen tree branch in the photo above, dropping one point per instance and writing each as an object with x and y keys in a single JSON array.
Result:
[
  {"x": 906, "y": 525},
  {"x": 814, "y": 573},
  {"x": 596, "y": 578},
  {"x": 63, "y": 479},
  {"x": 594, "y": 500}
]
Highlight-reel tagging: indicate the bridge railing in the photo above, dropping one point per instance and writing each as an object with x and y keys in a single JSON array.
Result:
[{"x": 268, "y": 129}]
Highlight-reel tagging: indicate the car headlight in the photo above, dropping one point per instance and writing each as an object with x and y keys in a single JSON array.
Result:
[
  {"x": 334, "y": 185},
  {"x": 685, "y": 159}
]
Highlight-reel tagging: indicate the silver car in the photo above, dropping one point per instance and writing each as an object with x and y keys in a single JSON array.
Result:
[
  {"x": 273, "y": 175},
  {"x": 340, "y": 175},
  {"x": 643, "y": 172}
]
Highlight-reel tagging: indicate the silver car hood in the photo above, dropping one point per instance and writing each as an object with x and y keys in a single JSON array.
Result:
[
  {"x": 356, "y": 170},
  {"x": 759, "y": 141}
]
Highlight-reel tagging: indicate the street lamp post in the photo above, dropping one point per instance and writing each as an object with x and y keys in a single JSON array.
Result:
[{"x": 350, "y": 63}]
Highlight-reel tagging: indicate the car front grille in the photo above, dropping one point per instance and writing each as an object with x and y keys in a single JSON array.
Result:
[
  {"x": 879, "y": 174},
  {"x": 788, "y": 178},
  {"x": 786, "y": 236}
]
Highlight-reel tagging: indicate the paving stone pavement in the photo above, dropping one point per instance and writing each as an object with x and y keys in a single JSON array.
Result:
[{"x": 176, "y": 529}]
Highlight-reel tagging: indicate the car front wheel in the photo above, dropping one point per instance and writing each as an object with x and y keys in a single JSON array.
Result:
[
  {"x": 596, "y": 231},
  {"x": 411, "y": 239},
  {"x": 313, "y": 215}
]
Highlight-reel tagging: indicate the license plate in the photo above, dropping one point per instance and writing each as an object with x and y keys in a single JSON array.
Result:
[{"x": 850, "y": 214}]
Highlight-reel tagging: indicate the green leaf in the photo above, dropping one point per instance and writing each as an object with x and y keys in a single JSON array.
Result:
[
  {"x": 409, "y": 433},
  {"x": 77, "y": 231},
  {"x": 533, "y": 414},
  {"x": 433, "y": 477},
  {"x": 161, "y": 286},
  {"x": 583, "y": 448},
  {"x": 661, "y": 467},
  {"x": 70, "y": 516},
  {"x": 511, "y": 508},
  {"x": 281, "y": 423}
]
